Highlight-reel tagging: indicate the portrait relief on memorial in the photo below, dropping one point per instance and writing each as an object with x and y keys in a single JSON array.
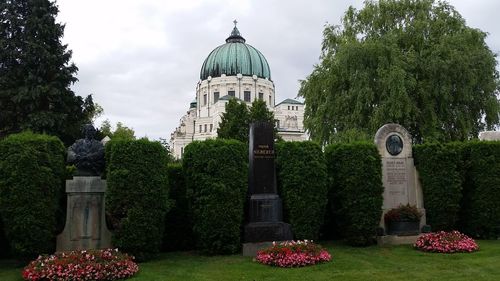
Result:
[{"x": 394, "y": 144}]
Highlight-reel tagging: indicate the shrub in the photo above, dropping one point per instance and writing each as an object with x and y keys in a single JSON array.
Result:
[
  {"x": 480, "y": 213},
  {"x": 304, "y": 199},
  {"x": 4, "y": 244},
  {"x": 446, "y": 242},
  {"x": 137, "y": 195},
  {"x": 439, "y": 167},
  {"x": 403, "y": 213},
  {"x": 355, "y": 171},
  {"x": 178, "y": 222},
  {"x": 81, "y": 265},
  {"x": 216, "y": 178},
  {"x": 293, "y": 254},
  {"x": 31, "y": 181}
]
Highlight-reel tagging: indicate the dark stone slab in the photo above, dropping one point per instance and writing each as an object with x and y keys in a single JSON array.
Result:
[
  {"x": 261, "y": 175},
  {"x": 265, "y": 211},
  {"x": 265, "y": 208},
  {"x": 267, "y": 231}
]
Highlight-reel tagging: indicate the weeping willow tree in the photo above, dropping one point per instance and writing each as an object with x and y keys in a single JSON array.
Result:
[{"x": 412, "y": 62}]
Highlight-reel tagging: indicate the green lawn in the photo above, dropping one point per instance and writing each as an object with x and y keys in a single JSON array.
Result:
[{"x": 372, "y": 263}]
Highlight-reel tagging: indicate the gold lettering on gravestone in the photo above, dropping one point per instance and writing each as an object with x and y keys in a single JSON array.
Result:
[{"x": 263, "y": 152}]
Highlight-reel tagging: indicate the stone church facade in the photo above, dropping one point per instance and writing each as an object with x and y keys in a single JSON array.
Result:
[{"x": 234, "y": 70}]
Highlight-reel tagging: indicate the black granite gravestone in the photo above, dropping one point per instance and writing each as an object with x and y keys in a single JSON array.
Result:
[{"x": 265, "y": 207}]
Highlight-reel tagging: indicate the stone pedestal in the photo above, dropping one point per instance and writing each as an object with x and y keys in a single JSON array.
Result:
[
  {"x": 85, "y": 217},
  {"x": 387, "y": 240}
]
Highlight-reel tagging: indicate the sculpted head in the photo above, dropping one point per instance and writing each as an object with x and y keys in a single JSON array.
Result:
[{"x": 89, "y": 131}]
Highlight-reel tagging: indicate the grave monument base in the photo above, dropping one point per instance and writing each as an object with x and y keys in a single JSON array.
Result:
[
  {"x": 85, "y": 219},
  {"x": 388, "y": 240}
]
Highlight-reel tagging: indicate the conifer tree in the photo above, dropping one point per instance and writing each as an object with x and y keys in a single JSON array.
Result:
[{"x": 36, "y": 73}]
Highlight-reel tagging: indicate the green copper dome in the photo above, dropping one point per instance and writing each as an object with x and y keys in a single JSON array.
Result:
[{"x": 235, "y": 57}]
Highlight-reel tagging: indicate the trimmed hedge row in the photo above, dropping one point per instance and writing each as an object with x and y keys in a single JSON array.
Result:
[
  {"x": 178, "y": 222},
  {"x": 355, "y": 171},
  {"x": 31, "y": 181},
  {"x": 440, "y": 170},
  {"x": 216, "y": 178},
  {"x": 302, "y": 182},
  {"x": 137, "y": 195},
  {"x": 480, "y": 213},
  {"x": 4, "y": 243}
]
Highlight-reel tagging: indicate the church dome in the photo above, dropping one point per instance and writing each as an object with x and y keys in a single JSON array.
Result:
[{"x": 235, "y": 57}]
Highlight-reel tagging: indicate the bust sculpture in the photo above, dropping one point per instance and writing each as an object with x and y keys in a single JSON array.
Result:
[{"x": 87, "y": 154}]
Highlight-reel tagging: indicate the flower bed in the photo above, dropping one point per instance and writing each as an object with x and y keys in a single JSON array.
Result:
[
  {"x": 293, "y": 254},
  {"x": 106, "y": 264},
  {"x": 446, "y": 242}
]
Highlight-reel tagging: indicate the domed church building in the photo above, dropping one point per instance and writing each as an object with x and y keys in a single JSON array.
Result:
[{"x": 234, "y": 70}]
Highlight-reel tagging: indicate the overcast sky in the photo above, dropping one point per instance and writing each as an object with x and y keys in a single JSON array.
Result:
[{"x": 141, "y": 59}]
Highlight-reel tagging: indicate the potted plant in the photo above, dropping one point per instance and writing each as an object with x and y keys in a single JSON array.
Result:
[{"x": 403, "y": 220}]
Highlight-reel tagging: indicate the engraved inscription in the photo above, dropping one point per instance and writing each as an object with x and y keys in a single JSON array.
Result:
[
  {"x": 263, "y": 152},
  {"x": 396, "y": 177}
]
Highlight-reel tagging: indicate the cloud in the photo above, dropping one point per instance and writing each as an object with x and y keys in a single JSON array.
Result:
[{"x": 141, "y": 59}]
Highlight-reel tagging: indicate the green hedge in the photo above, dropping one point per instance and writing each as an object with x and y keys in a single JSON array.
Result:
[
  {"x": 480, "y": 213},
  {"x": 4, "y": 243},
  {"x": 355, "y": 171},
  {"x": 440, "y": 171},
  {"x": 32, "y": 171},
  {"x": 178, "y": 222},
  {"x": 137, "y": 195},
  {"x": 216, "y": 178},
  {"x": 302, "y": 181}
]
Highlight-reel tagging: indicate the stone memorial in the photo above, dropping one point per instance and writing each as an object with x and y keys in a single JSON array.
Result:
[
  {"x": 85, "y": 216},
  {"x": 399, "y": 176},
  {"x": 265, "y": 213}
]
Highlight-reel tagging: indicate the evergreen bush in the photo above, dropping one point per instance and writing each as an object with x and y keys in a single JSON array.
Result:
[
  {"x": 440, "y": 170},
  {"x": 355, "y": 172},
  {"x": 480, "y": 212},
  {"x": 178, "y": 222},
  {"x": 137, "y": 195},
  {"x": 302, "y": 180},
  {"x": 32, "y": 172},
  {"x": 4, "y": 244},
  {"x": 216, "y": 178}
]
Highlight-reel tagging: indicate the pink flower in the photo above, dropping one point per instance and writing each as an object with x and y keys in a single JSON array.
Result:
[
  {"x": 446, "y": 242},
  {"x": 293, "y": 254},
  {"x": 81, "y": 265}
]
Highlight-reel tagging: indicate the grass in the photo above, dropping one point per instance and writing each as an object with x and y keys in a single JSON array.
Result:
[{"x": 371, "y": 263}]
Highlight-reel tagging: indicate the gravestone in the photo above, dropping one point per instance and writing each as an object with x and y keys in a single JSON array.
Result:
[
  {"x": 399, "y": 176},
  {"x": 265, "y": 213},
  {"x": 85, "y": 216}
]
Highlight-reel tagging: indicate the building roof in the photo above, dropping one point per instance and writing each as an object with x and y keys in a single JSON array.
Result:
[
  {"x": 235, "y": 57},
  {"x": 290, "y": 101}
]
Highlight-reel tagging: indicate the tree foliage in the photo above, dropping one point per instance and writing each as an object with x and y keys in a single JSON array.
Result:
[
  {"x": 121, "y": 131},
  {"x": 238, "y": 117},
  {"x": 234, "y": 121},
  {"x": 411, "y": 62},
  {"x": 36, "y": 73}
]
